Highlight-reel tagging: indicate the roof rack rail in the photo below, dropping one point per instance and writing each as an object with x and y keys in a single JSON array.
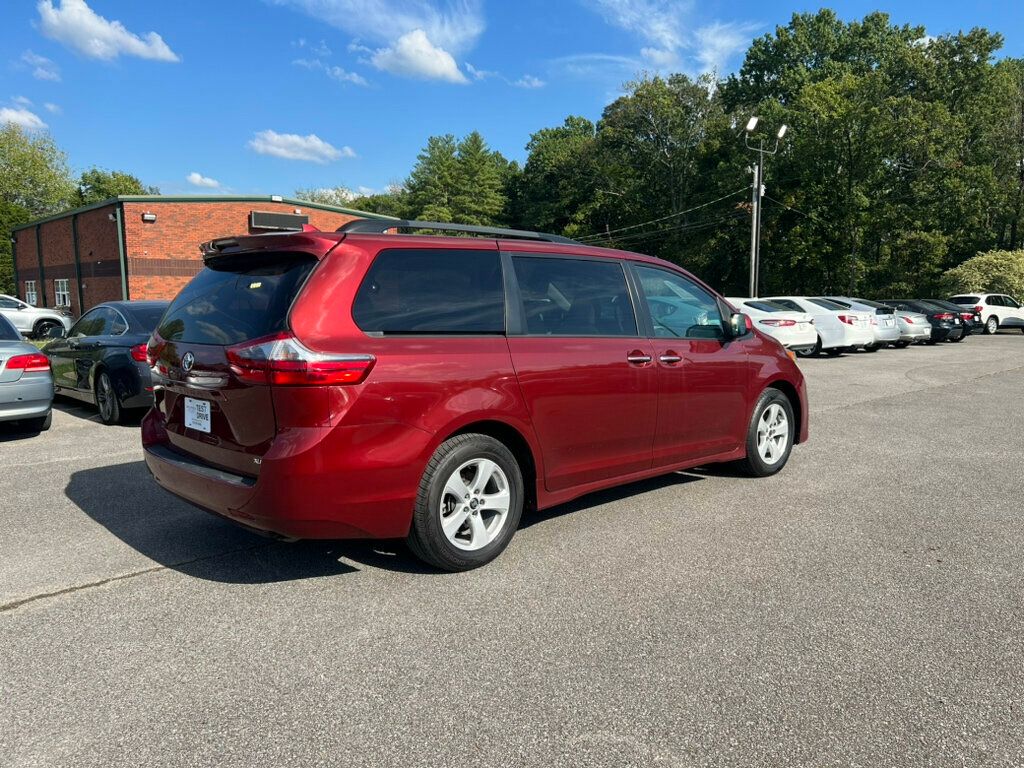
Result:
[{"x": 379, "y": 226}]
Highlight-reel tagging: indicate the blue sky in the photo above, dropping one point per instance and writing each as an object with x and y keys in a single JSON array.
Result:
[{"x": 265, "y": 96}]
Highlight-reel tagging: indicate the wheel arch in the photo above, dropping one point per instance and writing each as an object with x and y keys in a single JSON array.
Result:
[
  {"x": 790, "y": 391},
  {"x": 513, "y": 439}
]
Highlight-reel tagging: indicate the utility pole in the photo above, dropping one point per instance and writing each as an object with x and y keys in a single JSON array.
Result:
[{"x": 757, "y": 192}]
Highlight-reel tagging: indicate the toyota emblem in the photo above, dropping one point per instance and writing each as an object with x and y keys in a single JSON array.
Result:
[{"x": 187, "y": 361}]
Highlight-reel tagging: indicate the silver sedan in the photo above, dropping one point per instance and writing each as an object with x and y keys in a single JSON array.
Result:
[{"x": 26, "y": 382}]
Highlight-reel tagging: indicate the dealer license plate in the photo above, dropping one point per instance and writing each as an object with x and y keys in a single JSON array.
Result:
[{"x": 197, "y": 414}]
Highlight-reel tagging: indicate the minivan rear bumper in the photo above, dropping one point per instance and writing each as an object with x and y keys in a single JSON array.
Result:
[{"x": 315, "y": 483}]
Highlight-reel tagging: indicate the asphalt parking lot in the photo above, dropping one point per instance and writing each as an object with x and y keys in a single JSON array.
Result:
[{"x": 864, "y": 607}]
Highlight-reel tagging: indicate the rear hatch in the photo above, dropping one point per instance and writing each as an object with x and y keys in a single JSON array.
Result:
[
  {"x": 211, "y": 412},
  {"x": 885, "y": 317}
]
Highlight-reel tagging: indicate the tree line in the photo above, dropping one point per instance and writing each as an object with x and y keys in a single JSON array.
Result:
[{"x": 904, "y": 158}]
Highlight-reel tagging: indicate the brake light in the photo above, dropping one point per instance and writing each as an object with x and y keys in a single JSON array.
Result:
[
  {"x": 139, "y": 353},
  {"x": 966, "y": 315},
  {"x": 978, "y": 309},
  {"x": 282, "y": 360},
  {"x": 848, "y": 319},
  {"x": 778, "y": 323},
  {"x": 35, "y": 362},
  {"x": 944, "y": 316},
  {"x": 908, "y": 320}
]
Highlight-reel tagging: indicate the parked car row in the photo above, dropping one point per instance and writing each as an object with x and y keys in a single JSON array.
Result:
[{"x": 813, "y": 325}]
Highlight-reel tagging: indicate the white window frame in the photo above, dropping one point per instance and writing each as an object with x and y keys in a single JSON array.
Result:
[
  {"x": 61, "y": 292},
  {"x": 31, "y": 297}
]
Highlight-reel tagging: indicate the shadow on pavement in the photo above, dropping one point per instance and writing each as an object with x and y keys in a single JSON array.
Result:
[
  {"x": 16, "y": 430},
  {"x": 82, "y": 410}
]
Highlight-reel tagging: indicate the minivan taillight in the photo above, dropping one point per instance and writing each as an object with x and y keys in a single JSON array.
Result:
[
  {"x": 282, "y": 360},
  {"x": 31, "y": 363}
]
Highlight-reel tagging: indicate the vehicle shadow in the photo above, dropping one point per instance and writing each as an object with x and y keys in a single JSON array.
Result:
[
  {"x": 88, "y": 412},
  {"x": 16, "y": 430},
  {"x": 125, "y": 500}
]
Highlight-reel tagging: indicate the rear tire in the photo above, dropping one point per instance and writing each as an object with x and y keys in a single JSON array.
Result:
[
  {"x": 991, "y": 325},
  {"x": 106, "y": 400},
  {"x": 770, "y": 434},
  {"x": 834, "y": 351},
  {"x": 469, "y": 503},
  {"x": 901, "y": 344},
  {"x": 871, "y": 348}
]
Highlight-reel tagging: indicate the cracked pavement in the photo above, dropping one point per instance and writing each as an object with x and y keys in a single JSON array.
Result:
[{"x": 863, "y": 608}]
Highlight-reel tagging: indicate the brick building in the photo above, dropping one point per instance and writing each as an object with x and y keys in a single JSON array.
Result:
[{"x": 144, "y": 247}]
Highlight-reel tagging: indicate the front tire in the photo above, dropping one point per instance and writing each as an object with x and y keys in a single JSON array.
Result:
[
  {"x": 106, "y": 400},
  {"x": 770, "y": 434},
  {"x": 40, "y": 329},
  {"x": 992, "y": 325},
  {"x": 469, "y": 503}
]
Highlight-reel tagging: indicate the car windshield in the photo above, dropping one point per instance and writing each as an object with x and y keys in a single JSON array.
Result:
[
  {"x": 875, "y": 304},
  {"x": 829, "y": 304},
  {"x": 965, "y": 300},
  {"x": 7, "y": 331},
  {"x": 767, "y": 306}
]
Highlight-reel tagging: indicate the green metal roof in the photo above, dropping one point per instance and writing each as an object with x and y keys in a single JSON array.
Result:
[{"x": 203, "y": 199}]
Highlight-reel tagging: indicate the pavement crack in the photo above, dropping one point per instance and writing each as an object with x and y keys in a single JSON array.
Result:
[{"x": 22, "y": 601}]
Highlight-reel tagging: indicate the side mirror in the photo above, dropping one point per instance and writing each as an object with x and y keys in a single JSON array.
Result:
[
  {"x": 55, "y": 332},
  {"x": 739, "y": 325}
]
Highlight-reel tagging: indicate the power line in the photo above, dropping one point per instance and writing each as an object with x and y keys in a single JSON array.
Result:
[
  {"x": 598, "y": 236},
  {"x": 637, "y": 237}
]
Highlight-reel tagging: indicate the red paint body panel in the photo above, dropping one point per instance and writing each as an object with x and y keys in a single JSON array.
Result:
[{"x": 346, "y": 461}]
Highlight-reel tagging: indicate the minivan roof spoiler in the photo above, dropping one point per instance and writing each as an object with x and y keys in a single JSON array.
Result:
[{"x": 380, "y": 226}]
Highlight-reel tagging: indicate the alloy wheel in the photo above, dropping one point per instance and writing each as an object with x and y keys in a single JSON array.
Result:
[
  {"x": 104, "y": 397},
  {"x": 992, "y": 325},
  {"x": 474, "y": 504},
  {"x": 772, "y": 434}
]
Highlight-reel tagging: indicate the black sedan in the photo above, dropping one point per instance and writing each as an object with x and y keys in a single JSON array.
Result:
[
  {"x": 971, "y": 319},
  {"x": 946, "y": 324},
  {"x": 102, "y": 359}
]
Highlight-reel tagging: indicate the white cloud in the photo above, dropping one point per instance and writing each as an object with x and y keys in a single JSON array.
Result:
[
  {"x": 454, "y": 25},
  {"x": 344, "y": 76},
  {"x": 292, "y": 146},
  {"x": 53, "y": 109},
  {"x": 23, "y": 117},
  {"x": 479, "y": 74},
  {"x": 42, "y": 67},
  {"x": 529, "y": 81},
  {"x": 76, "y": 25},
  {"x": 414, "y": 55},
  {"x": 198, "y": 180},
  {"x": 22, "y": 101},
  {"x": 674, "y": 42}
]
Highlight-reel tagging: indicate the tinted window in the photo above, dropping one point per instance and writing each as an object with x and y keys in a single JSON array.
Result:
[
  {"x": 432, "y": 291},
  {"x": 236, "y": 300},
  {"x": 6, "y": 303},
  {"x": 766, "y": 306},
  {"x": 1008, "y": 302},
  {"x": 8, "y": 331},
  {"x": 832, "y": 305},
  {"x": 995, "y": 301},
  {"x": 965, "y": 300},
  {"x": 574, "y": 297},
  {"x": 680, "y": 307},
  {"x": 788, "y": 304},
  {"x": 96, "y": 322},
  {"x": 147, "y": 317}
]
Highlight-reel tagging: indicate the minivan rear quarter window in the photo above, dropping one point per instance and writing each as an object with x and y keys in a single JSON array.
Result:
[
  {"x": 432, "y": 291},
  {"x": 236, "y": 299}
]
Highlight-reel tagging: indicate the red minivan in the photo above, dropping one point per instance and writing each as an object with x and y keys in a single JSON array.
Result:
[{"x": 365, "y": 383}]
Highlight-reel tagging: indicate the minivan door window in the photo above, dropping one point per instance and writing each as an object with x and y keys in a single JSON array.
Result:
[
  {"x": 432, "y": 291},
  {"x": 680, "y": 308}
]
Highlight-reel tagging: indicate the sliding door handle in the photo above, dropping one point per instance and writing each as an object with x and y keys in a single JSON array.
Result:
[
  {"x": 671, "y": 358},
  {"x": 638, "y": 358}
]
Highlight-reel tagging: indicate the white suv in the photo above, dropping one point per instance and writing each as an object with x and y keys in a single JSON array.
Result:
[
  {"x": 997, "y": 310},
  {"x": 33, "y": 321}
]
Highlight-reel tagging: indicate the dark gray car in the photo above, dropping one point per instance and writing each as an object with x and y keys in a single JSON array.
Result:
[{"x": 26, "y": 383}]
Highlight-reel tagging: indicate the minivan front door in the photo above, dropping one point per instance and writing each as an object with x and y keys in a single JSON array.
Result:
[
  {"x": 702, "y": 373},
  {"x": 586, "y": 374}
]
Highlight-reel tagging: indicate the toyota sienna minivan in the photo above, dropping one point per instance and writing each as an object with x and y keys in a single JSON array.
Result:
[{"x": 366, "y": 383}]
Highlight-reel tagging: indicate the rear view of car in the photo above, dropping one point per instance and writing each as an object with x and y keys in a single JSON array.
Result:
[
  {"x": 945, "y": 324},
  {"x": 883, "y": 324},
  {"x": 26, "y": 384},
  {"x": 793, "y": 330}
]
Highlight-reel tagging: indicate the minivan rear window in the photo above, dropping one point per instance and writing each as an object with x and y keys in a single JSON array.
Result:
[
  {"x": 432, "y": 291},
  {"x": 236, "y": 299}
]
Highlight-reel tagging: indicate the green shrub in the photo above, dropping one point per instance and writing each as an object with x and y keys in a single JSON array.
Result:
[{"x": 991, "y": 272}]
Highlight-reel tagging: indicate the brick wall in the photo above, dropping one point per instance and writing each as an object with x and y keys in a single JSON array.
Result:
[
  {"x": 26, "y": 263},
  {"x": 164, "y": 255},
  {"x": 99, "y": 257}
]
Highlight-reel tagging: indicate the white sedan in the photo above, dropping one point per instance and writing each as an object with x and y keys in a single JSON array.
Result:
[
  {"x": 793, "y": 330},
  {"x": 838, "y": 327}
]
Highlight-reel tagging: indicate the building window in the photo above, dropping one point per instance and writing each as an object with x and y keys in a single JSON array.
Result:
[
  {"x": 61, "y": 293},
  {"x": 30, "y": 292}
]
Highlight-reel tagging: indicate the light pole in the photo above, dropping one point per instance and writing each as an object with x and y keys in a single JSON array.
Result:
[{"x": 756, "y": 193}]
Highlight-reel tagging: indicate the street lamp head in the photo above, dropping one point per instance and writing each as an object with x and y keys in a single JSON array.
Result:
[
  {"x": 752, "y": 124},
  {"x": 782, "y": 131}
]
